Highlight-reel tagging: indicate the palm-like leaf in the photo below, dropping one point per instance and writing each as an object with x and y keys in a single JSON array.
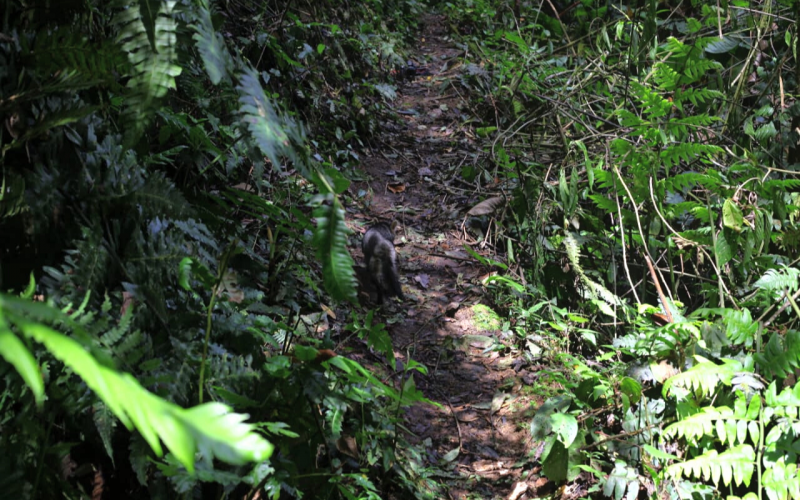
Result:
[
  {"x": 154, "y": 65},
  {"x": 330, "y": 240},
  {"x": 210, "y": 428}
]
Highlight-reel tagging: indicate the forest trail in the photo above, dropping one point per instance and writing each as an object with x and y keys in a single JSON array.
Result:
[{"x": 480, "y": 434}]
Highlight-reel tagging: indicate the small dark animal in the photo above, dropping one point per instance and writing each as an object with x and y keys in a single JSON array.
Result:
[{"x": 381, "y": 260}]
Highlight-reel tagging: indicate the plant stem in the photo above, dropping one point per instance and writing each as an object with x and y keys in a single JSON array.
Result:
[{"x": 211, "y": 303}]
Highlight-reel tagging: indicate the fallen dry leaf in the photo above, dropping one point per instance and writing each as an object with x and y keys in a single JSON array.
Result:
[{"x": 423, "y": 280}]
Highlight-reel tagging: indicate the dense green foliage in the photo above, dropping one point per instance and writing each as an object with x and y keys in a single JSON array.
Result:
[
  {"x": 170, "y": 211},
  {"x": 669, "y": 200},
  {"x": 161, "y": 197}
]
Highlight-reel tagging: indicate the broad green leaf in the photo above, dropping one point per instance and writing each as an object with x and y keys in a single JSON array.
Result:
[
  {"x": 632, "y": 388},
  {"x": 723, "y": 249},
  {"x": 732, "y": 216},
  {"x": 723, "y": 45},
  {"x": 451, "y": 455},
  {"x": 555, "y": 461},
  {"x": 541, "y": 425},
  {"x": 623, "y": 481},
  {"x": 565, "y": 426}
]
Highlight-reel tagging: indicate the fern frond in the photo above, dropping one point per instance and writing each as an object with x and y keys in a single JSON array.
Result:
[
  {"x": 704, "y": 376},
  {"x": 67, "y": 49},
  {"x": 154, "y": 65},
  {"x": 157, "y": 196},
  {"x": 728, "y": 426},
  {"x": 688, "y": 152},
  {"x": 111, "y": 337},
  {"x": 330, "y": 240},
  {"x": 740, "y": 327},
  {"x": 775, "y": 280},
  {"x": 782, "y": 481},
  {"x": 210, "y": 428},
  {"x": 628, "y": 119},
  {"x": 696, "y": 96},
  {"x": 666, "y": 77},
  {"x": 677, "y": 47},
  {"x": 780, "y": 357},
  {"x": 697, "y": 68},
  {"x": 787, "y": 402},
  {"x": 270, "y": 132},
  {"x": 603, "y": 203},
  {"x": 213, "y": 51},
  {"x": 596, "y": 290},
  {"x": 680, "y": 127},
  {"x": 766, "y": 132},
  {"x": 688, "y": 180},
  {"x": 655, "y": 105},
  {"x": 701, "y": 424},
  {"x": 784, "y": 184},
  {"x": 682, "y": 208},
  {"x": 736, "y": 464}
]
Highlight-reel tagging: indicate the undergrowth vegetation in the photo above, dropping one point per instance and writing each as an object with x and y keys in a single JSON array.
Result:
[
  {"x": 650, "y": 160},
  {"x": 167, "y": 225},
  {"x": 172, "y": 220}
]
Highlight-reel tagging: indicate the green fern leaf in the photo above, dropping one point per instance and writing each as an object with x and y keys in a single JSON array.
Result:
[
  {"x": 666, "y": 77},
  {"x": 106, "y": 423},
  {"x": 212, "y": 48},
  {"x": 787, "y": 402},
  {"x": 697, "y": 69},
  {"x": 701, "y": 424},
  {"x": 210, "y": 428},
  {"x": 696, "y": 96},
  {"x": 688, "y": 152},
  {"x": 778, "y": 281},
  {"x": 270, "y": 132},
  {"x": 704, "y": 376},
  {"x": 66, "y": 49},
  {"x": 687, "y": 180},
  {"x": 782, "y": 481},
  {"x": 335, "y": 416},
  {"x": 139, "y": 457},
  {"x": 330, "y": 240},
  {"x": 677, "y": 47},
  {"x": 736, "y": 464},
  {"x": 781, "y": 184},
  {"x": 740, "y": 327},
  {"x": 780, "y": 357},
  {"x": 604, "y": 203},
  {"x": 766, "y": 132},
  {"x": 596, "y": 290},
  {"x": 154, "y": 65}
]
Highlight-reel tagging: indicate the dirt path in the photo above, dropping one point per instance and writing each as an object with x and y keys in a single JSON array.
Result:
[{"x": 480, "y": 433}]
